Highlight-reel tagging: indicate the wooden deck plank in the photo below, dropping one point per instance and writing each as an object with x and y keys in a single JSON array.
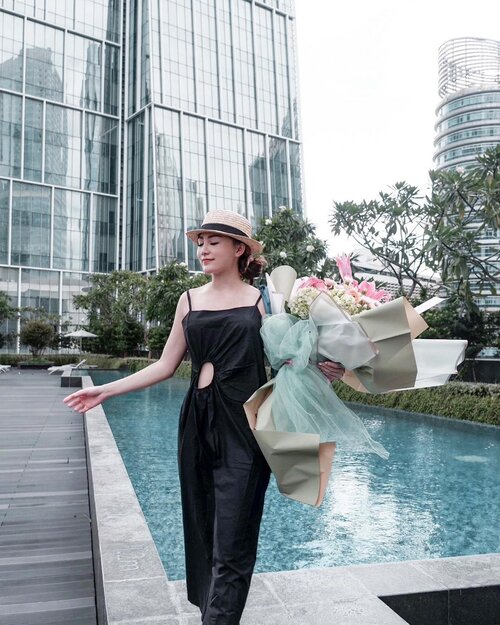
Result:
[{"x": 46, "y": 565}]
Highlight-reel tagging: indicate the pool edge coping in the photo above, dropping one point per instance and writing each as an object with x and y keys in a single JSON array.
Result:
[{"x": 132, "y": 585}]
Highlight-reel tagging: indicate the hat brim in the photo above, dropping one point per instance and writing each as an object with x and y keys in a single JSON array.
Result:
[{"x": 255, "y": 246}]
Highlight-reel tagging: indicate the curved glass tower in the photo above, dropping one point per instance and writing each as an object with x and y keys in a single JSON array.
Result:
[
  {"x": 469, "y": 117},
  {"x": 123, "y": 122}
]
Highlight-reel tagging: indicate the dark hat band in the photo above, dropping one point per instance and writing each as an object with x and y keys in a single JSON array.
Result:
[{"x": 224, "y": 228}]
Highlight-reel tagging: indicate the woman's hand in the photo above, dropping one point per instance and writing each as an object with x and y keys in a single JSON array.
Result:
[
  {"x": 87, "y": 398},
  {"x": 331, "y": 370}
]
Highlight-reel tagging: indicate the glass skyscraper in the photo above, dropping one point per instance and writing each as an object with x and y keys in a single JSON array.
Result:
[
  {"x": 122, "y": 123},
  {"x": 469, "y": 119}
]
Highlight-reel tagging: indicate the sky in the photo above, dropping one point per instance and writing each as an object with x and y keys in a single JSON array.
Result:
[{"x": 368, "y": 72}]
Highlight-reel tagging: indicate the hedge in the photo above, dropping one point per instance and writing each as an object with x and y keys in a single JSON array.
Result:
[{"x": 459, "y": 400}]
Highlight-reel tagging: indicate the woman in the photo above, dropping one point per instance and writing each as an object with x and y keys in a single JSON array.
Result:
[{"x": 223, "y": 473}]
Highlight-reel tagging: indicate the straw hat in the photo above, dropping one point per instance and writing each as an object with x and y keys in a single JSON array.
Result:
[{"x": 230, "y": 224}]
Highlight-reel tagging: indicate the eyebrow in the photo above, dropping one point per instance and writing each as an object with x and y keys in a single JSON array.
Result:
[{"x": 209, "y": 236}]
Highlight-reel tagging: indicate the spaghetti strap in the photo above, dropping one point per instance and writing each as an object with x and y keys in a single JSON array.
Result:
[
  {"x": 189, "y": 299},
  {"x": 258, "y": 299}
]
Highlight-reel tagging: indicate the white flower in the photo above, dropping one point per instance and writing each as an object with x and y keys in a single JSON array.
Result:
[
  {"x": 182, "y": 264},
  {"x": 268, "y": 222},
  {"x": 310, "y": 248},
  {"x": 460, "y": 170},
  {"x": 282, "y": 208},
  {"x": 283, "y": 254}
]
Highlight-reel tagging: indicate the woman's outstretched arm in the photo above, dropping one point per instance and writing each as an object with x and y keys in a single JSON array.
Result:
[{"x": 164, "y": 368}]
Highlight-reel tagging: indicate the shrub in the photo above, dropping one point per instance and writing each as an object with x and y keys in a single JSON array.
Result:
[
  {"x": 37, "y": 335},
  {"x": 459, "y": 400}
]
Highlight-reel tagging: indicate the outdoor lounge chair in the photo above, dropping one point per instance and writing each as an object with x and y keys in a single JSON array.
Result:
[
  {"x": 63, "y": 368},
  {"x": 4, "y": 368}
]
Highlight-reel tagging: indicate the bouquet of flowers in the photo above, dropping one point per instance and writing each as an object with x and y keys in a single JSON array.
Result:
[
  {"x": 297, "y": 416},
  {"x": 350, "y": 295}
]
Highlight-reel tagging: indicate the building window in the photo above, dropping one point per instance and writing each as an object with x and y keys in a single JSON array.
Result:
[
  {"x": 11, "y": 52},
  {"x": 71, "y": 230},
  {"x": 30, "y": 225},
  {"x": 63, "y": 130},
  {"x": 10, "y": 135},
  {"x": 101, "y": 154}
]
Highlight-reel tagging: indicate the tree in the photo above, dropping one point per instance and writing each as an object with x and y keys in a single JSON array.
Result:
[
  {"x": 392, "y": 228},
  {"x": 453, "y": 321},
  {"x": 407, "y": 232},
  {"x": 463, "y": 205},
  {"x": 115, "y": 309},
  {"x": 37, "y": 335},
  {"x": 6, "y": 312},
  {"x": 165, "y": 288},
  {"x": 289, "y": 239}
]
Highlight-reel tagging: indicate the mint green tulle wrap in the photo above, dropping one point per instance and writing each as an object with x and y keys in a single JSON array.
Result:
[{"x": 303, "y": 399}]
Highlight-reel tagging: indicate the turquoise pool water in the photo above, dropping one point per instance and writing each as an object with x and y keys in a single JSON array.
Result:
[{"x": 438, "y": 494}]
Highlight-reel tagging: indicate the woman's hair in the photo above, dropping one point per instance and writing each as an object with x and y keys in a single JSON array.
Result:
[{"x": 248, "y": 266}]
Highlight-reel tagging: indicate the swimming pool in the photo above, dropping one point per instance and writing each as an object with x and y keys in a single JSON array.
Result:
[{"x": 438, "y": 495}]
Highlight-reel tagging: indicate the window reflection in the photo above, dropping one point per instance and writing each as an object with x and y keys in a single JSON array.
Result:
[
  {"x": 226, "y": 168},
  {"x": 40, "y": 290},
  {"x": 173, "y": 53},
  {"x": 11, "y": 52},
  {"x": 101, "y": 153},
  {"x": 73, "y": 284},
  {"x": 257, "y": 174},
  {"x": 98, "y": 18},
  {"x": 225, "y": 60},
  {"x": 111, "y": 79},
  {"x": 82, "y": 76},
  {"x": 205, "y": 39},
  {"x": 71, "y": 230},
  {"x": 10, "y": 135},
  {"x": 30, "y": 224},
  {"x": 195, "y": 180},
  {"x": 243, "y": 64},
  {"x": 296, "y": 177},
  {"x": 9, "y": 284},
  {"x": 4, "y": 221},
  {"x": 44, "y": 61},
  {"x": 33, "y": 132},
  {"x": 62, "y": 145},
  {"x": 135, "y": 193},
  {"x": 168, "y": 186},
  {"x": 264, "y": 59},
  {"x": 279, "y": 177},
  {"x": 282, "y": 76},
  {"x": 104, "y": 233}
]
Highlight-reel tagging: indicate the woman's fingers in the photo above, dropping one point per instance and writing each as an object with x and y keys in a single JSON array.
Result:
[
  {"x": 331, "y": 370},
  {"x": 84, "y": 400}
]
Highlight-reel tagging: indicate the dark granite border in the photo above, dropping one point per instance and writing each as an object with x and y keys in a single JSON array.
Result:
[{"x": 132, "y": 587}]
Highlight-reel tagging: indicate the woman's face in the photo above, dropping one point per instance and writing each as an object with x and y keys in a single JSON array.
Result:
[{"x": 218, "y": 253}]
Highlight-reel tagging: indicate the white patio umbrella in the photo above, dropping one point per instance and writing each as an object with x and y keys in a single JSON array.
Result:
[{"x": 81, "y": 334}]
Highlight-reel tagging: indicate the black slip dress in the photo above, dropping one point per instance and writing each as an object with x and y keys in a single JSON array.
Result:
[{"x": 223, "y": 473}]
